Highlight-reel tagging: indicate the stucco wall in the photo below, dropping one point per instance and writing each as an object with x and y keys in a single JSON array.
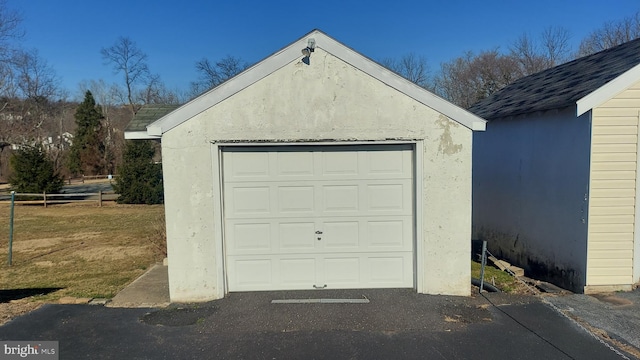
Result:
[
  {"x": 327, "y": 100},
  {"x": 530, "y": 178}
]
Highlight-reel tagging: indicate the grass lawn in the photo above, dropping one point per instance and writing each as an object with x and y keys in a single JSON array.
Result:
[
  {"x": 94, "y": 252},
  {"x": 84, "y": 250}
]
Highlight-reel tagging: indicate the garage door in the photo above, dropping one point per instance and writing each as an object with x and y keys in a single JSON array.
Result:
[{"x": 304, "y": 217}]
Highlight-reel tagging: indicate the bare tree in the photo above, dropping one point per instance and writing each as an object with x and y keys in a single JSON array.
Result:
[
  {"x": 211, "y": 74},
  {"x": 10, "y": 29},
  {"x": 106, "y": 95},
  {"x": 34, "y": 77},
  {"x": 525, "y": 50},
  {"x": 10, "y": 32},
  {"x": 471, "y": 78},
  {"x": 7, "y": 80},
  {"x": 31, "y": 102},
  {"x": 126, "y": 58},
  {"x": 60, "y": 130},
  {"x": 32, "y": 106},
  {"x": 556, "y": 45},
  {"x": 412, "y": 67},
  {"x": 549, "y": 50},
  {"x": 156, "y": 92},
  {"x": 611, "y": 34}
]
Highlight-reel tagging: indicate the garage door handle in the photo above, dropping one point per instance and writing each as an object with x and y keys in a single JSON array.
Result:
[
  {"x": 319, "y": 287},
  {"x": 318, "y": 232}
]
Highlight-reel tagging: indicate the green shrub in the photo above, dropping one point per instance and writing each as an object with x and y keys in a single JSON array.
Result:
[
  {"x": 139, "y": 179},
  {"x": 33, "y": 172}
]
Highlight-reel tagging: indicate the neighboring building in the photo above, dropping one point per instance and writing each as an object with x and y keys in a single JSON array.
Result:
[
  {"x": 555, "y": 175},
  {"x": 137, "y": 128},
  {"x": 61, "y": 142},
  {"x": 316, "y": 168}
]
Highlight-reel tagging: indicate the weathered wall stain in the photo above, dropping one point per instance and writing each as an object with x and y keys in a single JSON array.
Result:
[
  {"x": 446, "y": 146},
  {"x": 516, "y": 250}
]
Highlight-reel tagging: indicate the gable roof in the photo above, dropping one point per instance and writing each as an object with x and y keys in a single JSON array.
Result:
[
  {"x": 587, "y": 82},
  {"x": 145, "y": 116},
  {"x": 293, "y": 52}
]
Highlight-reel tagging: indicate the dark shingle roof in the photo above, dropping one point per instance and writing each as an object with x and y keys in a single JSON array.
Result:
[
  {"x": 148, "y": 114},
  {"x": 562, "y": 85}
]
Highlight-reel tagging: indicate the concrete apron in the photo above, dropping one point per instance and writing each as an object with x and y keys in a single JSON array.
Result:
[{"x": 149, "y": 290}]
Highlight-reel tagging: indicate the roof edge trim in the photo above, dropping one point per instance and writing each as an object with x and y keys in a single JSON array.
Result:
[
  {"x": 608, "y": 91},
  {"x": 139, "y": 135},
  {"x": 401, "y": 84},
  {"x": 230, "y": 87},
  {"x": 290, "y": 53}
]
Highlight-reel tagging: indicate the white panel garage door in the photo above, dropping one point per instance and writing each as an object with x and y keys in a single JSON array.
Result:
[{"x": 300, "y": 217}]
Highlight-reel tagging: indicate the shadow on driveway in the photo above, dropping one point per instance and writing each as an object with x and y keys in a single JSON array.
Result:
[{"x": 16, "y": 294}]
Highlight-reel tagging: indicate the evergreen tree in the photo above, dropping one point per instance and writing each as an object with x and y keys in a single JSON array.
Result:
[
  {"x": 33, "y": 172},
  {"x": 139, "y": 179},
  {"x": 88, "y": 150}
]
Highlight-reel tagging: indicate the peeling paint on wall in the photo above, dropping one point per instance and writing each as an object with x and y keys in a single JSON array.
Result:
[{"x": 446, "y": 146}]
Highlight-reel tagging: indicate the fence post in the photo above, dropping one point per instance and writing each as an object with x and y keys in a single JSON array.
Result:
[
  {"x": 483, "y": 264},
  {"x": 100, "y": 198},
  {"x": 13, "y": 198},
  {"x": 44, "y": 198}
]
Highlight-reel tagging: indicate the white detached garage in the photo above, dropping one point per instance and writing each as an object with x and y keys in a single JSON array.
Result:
[{"x": 325, "y": 172}]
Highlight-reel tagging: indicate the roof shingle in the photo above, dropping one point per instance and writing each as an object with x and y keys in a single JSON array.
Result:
[
  {"x": 148, "y": 114},
  {"x": 562, "y": 85}
]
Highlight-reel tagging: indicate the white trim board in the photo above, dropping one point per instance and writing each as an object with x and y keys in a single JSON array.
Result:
[
  {"x": 636, "y": 233},
  {"x": 418, "y": 167},
  {"x": 139, "y": 135},
  {"x": 608, "y": 91},
  {"x": 218, "y": 222}
]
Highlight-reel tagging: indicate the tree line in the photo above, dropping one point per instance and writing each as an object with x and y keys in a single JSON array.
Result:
[
  {"x": 472, "y": 77},
  {"x": 39, "y": 123}
]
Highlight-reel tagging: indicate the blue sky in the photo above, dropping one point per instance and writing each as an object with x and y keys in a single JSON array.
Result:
[{"x": 175, "y": 34}]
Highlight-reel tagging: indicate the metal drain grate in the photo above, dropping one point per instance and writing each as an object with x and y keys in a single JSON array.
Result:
[{"x": 321, "y": 301}]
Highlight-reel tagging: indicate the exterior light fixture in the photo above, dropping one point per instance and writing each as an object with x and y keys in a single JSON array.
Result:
[{"x": 306, "y": 52}]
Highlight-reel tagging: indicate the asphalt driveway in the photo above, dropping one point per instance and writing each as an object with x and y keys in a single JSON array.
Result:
[{"x": 395, "y": 324}]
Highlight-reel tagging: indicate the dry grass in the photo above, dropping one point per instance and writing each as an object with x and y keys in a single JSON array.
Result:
[{"x": 84, "y": 250}]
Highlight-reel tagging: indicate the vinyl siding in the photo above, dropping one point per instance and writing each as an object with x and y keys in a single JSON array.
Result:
[{"x": 613, "y": 190}]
